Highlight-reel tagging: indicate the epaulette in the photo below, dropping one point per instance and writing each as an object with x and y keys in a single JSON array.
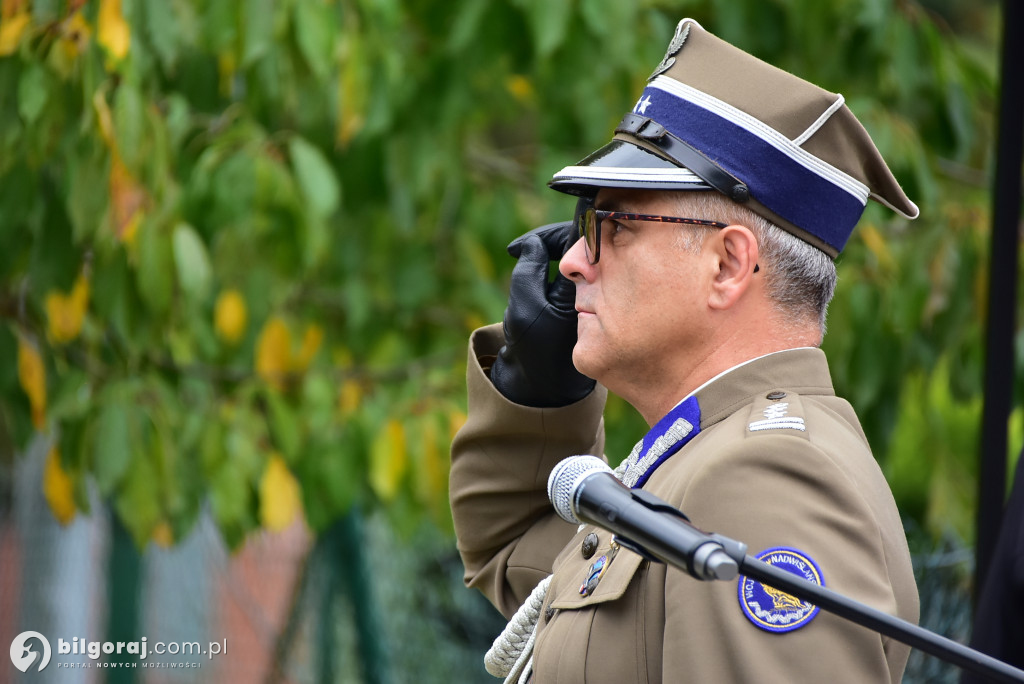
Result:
[{"x": 777, "y": 410}]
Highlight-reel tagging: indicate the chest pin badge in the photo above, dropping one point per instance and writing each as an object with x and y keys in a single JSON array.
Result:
[{"x": 597, "y": 570}]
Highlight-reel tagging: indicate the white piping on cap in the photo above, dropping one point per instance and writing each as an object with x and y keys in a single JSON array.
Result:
[{"x": 765, "y": 132}]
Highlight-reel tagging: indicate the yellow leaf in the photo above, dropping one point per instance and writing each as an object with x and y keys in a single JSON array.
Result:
[
  {"x": 273, "y": 352},
  {"x": 10, "y": 8},
  {"x": 104, "y": 120},
  {"x": 230, "y": 316},
  {"x": 127, "y": 200},
  {"x": 432, "y": 473},
  {"x": 163, "y": 535},
  {"x": 456, "y": 419},
  {"x": 131, "y": 229},
  {"x": 472, "y": 321},
  {"x": 11, "y": 31},
  {"x": 352, "y": 91},
  {"x": 280, "y": 496},
  {"x": 32, "y": 377},
  {"x": 520, "y": 88},
  {"x": 73, "y": 36},
  {"x": 349, "y": 397},
  {"x": 876, "y": 243},
  {"x": 58, "y": 489},
  {"x": 311, "y": 340},
  {"x": 388, "y": 460},
  {"x": 65, "y": 313},
  {"x": 227, "y": 65},
  {"x": 112, "y": 31}
]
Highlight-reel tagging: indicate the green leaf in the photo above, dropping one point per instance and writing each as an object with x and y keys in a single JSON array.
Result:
[
  {"x": 88, "y": 196},
  {"x": 604, "y": 17},
  {"x": 73, "y": 396},
  {"x": 155, "y": 274},
  {"x": 112, "y": 445},
  {"x": 245, "y": 456},
  {"x": 231, "y": 500},
  {"x": 138, "y": 500},
  {"x": 178, "y": 119},
  {"x": 33, "y": 92},
  {"x": 315, "y": 29},
  {"x": 549, "y": 20},
  {"x": 316, "y": 177},
  {"x": 258, "y": 16},
  {"x": 195, "y": 274},
  {"x": 319, "y": 397},
  {"x": 317, "y": 241},
  {"x": 55, "y": 261},
  {"x": 163, "y": 29},
  {"x": 113, "y": 296},
  {"x": 129, "y": 126},
  {"x": 284, "y": 426},
  {"x": 212, "y": 448},
  {"x": 466, "y": 26}
]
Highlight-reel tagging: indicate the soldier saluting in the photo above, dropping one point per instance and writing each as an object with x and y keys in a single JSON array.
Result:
[{"x": 694, "y": 282}]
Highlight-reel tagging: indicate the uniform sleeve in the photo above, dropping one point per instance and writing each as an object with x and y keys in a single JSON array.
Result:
[
  {"x": 508, "y": 535},
  {"x": 779, "y": 491}
]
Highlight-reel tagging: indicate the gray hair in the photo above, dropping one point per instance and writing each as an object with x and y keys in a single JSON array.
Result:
[{"x": 799, "y": 278}]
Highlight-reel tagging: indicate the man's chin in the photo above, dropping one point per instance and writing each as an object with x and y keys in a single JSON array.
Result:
[{"x": 585, "y": 361}]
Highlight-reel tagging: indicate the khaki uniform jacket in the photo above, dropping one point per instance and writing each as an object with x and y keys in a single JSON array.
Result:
[{"x": 817, "y": 490}]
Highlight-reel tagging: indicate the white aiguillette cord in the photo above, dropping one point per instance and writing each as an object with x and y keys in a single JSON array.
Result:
[{"x": 511, "y": 654}]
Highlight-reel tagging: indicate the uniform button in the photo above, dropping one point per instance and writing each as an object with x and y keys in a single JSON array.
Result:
[
  {"x": 589, "y": 545},
  {"x": 775, "y": 396}
]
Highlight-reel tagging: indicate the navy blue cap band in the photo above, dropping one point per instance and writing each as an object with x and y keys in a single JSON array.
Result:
[{"x": 806, "y": 192}]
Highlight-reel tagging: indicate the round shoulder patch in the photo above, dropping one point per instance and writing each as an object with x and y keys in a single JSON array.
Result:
[{"x": 774, "y": 610}]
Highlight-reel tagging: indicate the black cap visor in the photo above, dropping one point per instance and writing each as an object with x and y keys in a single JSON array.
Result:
[{"x": 621, "y": 164}]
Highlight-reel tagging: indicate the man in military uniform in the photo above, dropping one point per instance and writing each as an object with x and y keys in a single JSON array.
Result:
[{"x": 694, "y": 284}]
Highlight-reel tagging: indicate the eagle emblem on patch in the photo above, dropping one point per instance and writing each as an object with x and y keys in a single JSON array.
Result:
[{"x": 771, "y": 609}]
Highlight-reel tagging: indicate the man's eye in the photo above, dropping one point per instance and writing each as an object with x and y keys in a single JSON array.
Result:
[{"x": 614, "y": 227}]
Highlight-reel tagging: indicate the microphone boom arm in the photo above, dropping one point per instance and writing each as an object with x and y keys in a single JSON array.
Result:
[
  {"x": 583, "y": 488},
  {"x": 706, "y": 562}
]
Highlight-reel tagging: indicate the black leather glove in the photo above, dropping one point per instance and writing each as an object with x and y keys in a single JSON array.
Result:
[{"x": 534, "y": 368}]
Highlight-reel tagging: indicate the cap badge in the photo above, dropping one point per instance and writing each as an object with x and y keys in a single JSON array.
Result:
[
  {"x": 771, "y": 609},
  {"x": 682, "y": 31}
]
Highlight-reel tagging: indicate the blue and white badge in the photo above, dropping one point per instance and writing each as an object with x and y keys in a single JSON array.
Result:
[{"x": 774, "y": 610}]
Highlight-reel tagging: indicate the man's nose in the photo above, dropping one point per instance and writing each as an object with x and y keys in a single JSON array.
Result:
[{"x": 574, "y": 264}]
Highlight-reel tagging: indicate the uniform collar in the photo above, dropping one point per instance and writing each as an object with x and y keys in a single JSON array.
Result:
[{"x": 803, "y": 370}]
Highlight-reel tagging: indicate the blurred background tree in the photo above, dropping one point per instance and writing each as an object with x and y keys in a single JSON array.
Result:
[{"x": 243, "y": 242}]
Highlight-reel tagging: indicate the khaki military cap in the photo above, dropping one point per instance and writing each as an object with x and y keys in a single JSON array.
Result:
[{"x": 713, "y": 117}]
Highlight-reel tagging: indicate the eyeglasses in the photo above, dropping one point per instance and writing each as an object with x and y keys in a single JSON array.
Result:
[{"x": 589, "y": 219}]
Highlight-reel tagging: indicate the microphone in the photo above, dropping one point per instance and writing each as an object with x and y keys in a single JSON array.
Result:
[{"x": 584, "y": 489}]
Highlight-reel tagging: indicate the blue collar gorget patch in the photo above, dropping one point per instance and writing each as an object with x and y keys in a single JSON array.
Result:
[{"x": 668, "y": 436}]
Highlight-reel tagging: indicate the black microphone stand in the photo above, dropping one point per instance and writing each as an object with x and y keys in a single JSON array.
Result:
[{"x": 854, "y": 611}]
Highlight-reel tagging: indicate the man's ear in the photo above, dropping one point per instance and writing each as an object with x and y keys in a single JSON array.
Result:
[{"x": 736, "y": 250}]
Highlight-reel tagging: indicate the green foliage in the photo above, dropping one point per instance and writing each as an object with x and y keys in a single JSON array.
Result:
[{"x": 281, "y": 220}]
